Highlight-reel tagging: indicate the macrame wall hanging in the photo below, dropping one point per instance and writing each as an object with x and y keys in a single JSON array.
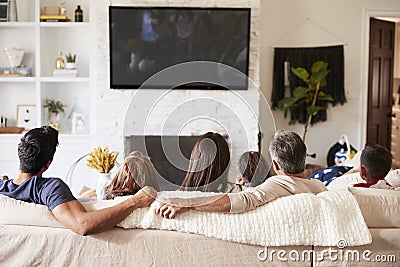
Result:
[{"x": 284, "y": 82}]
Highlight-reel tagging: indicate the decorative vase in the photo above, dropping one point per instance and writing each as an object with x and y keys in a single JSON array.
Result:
[
  {"x": 15, "y": 56},
  {"x": 12, "y": 10},
  {"x": 103, "y": 179},
  {"x": 76, "y": 108},
  {"x": 60, "y": 65}
]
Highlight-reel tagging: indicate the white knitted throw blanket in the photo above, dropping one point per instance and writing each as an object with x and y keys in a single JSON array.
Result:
[{"x": 326, "y": 219}]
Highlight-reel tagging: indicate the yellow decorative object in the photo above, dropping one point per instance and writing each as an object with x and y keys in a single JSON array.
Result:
[
  {"x": 60, "y": 62},
  {"x": 102, "y": 160}
]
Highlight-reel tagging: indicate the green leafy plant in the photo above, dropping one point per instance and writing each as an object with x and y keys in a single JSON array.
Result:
[
  {"x": 306, "y": 97},
  {"x": 54, "y": 106},
  {"x": 70, "y": 58}
]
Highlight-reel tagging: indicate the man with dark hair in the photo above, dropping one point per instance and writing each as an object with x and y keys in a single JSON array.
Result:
[
  {"x": 35, "y": 152},
  {"x": 288, "y": 153},
  {"x": 375, "y": 163}
]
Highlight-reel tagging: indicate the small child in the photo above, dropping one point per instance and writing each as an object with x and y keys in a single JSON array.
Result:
[
  {"x": 134, "y": 173},
  {"x": 253, "y": 171},
  {"x": 375, "y": 163}
]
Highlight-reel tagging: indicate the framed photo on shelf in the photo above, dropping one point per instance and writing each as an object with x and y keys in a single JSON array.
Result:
[
  {"x": 80, "y": 123},
  {"x": 3, "y": 10},
  {"x": 26, "y": 116}
]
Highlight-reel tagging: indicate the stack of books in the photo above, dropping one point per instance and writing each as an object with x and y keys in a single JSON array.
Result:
[
  {"x": 64, "y": 73},
  {"x": 54, "y": 18},
  {"x": 17, "y": 72}
]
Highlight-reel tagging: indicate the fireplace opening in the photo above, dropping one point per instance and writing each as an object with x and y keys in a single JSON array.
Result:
[{"x": 169, "y": 154}]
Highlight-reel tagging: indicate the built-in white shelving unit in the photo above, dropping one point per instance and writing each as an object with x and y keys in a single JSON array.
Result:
[{"x": 42, "y": 41}]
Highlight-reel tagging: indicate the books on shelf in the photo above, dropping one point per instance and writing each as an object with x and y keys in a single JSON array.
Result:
[
  {"x": 64, "y": 73},
  {"x": 54, "y": 18},
  {"x": 15, "y": 72}
]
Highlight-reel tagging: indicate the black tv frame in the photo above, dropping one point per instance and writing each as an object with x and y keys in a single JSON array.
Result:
[{"x": 194, "y": 86}]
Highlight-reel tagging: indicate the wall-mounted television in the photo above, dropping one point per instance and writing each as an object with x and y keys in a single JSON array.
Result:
[{"x": 146, "y": 40}]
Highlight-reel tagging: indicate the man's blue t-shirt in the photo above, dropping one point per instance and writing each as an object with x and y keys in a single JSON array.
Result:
[{"x": 50, "y": 192}]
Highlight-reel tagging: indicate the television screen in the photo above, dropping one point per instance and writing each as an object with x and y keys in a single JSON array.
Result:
[{"x": 146, "y": 40}]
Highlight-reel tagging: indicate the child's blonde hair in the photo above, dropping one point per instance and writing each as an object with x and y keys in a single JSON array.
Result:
[{"x": 135, "y": 172}]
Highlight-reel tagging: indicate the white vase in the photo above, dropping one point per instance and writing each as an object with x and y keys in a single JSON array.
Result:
[
  {"x": 15, "y": 56},
  {"x": 103, "y": 179},
  {"x": 12, "y": 10}
]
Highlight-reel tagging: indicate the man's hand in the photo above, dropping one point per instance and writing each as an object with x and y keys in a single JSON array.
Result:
[{"x": 169, "y": 210}]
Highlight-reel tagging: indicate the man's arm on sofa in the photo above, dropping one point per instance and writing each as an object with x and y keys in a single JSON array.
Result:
[
  {"x": 171, "y": 207},
  {"x": 74, "y": 216}
]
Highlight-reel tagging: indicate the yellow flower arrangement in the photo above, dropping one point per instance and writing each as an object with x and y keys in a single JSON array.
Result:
[{"x": 102, "y": 160}]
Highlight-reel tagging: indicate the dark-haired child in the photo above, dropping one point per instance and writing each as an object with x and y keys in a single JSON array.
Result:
[
  {"x": 375, "y": 163},
  {"x": 253, "y": 170}
]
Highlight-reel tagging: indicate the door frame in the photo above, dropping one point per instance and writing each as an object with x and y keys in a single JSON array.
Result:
[{"x": 367, "y": 14}]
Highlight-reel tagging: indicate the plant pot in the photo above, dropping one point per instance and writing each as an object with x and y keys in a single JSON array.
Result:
[
  {"x": 70, "y": 65},
  {"x": 103, "y": 179},
  {"x": 54, "y": 120}
]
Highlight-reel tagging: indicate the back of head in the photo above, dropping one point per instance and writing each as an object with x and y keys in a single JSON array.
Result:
[
  {"x": 209, "y": 162},
  {"x": 289, "y": 151},
  {"x": 253, "y": 167},
  {"x": 36, "y": 148},
  {"x": 377, "y": 160},
  {"x": 134, "y": 173}
]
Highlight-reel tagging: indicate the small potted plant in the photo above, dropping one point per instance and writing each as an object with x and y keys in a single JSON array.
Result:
[
  {"x": 71, "y": 61},
  {"x": 54, "y": 109}
]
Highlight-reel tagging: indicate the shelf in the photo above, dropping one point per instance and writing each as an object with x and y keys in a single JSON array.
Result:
[
  {"x": 17, "y": 24},
  {"x": 66, "y": 79},
  {"x": 63, "y": 24},
  {"x": 66, "y": 136},
  {"x": 17, "y": 79},
  {"x": 11, "y": 136},
  {"x": 11, "y": 130},
  {"x": 70, "y": 135}
]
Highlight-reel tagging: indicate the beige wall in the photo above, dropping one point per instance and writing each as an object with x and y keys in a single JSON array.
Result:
[{"x": 284, "y": 23}]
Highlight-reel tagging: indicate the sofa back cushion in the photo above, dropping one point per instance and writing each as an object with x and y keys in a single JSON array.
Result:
[
  {"x": 380, "y": 207},
  {"x": 24, "y": 213}
]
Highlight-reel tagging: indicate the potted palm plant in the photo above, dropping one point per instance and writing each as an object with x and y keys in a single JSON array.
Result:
[{"x": 54, "y": 110}]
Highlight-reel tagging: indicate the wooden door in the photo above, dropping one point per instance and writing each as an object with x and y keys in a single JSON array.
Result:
[{"x": 380, "y": 82}]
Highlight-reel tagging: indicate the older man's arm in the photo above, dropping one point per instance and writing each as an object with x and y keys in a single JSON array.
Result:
[
  {"x": 232, "y": 202},
  {"x": 173, "y": 206}
]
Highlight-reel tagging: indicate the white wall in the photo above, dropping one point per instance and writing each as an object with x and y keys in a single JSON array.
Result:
[{"x": 284, "y": 23}]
